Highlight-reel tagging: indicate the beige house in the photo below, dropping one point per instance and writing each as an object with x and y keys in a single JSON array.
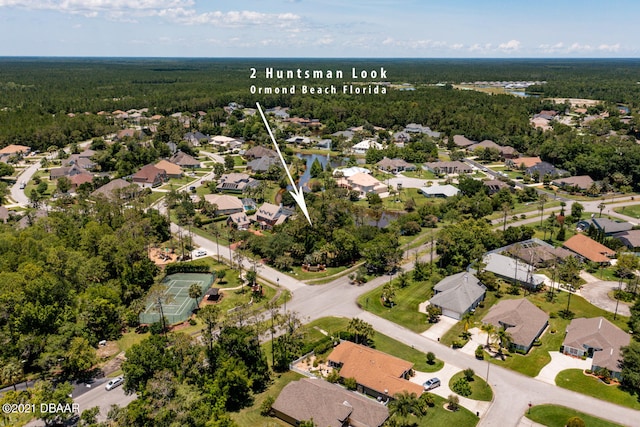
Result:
[
  {"x": 172, "y": 170},
  {"x": 363, "y": 183},
  {"x": 226, "y": 205},
  {"x": 596, "y": 338},
  {"x": 149, "y": 176},
  {"x": 329, "y": 405},
  {"x": 521, "y": 319}
]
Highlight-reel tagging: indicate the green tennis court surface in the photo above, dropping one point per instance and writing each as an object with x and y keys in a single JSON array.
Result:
[{"x": 177, "y": 305}]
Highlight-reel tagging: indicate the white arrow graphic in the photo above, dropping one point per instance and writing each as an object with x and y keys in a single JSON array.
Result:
[{"x": 297, "y": 193}]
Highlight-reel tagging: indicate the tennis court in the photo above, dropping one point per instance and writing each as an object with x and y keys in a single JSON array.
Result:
[{"x": 177, "y": 305}]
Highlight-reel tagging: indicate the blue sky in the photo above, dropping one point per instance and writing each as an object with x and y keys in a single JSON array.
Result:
[{"x": 314, "y": 28}]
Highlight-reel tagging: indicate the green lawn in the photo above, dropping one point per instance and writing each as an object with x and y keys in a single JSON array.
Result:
[
  {"x": 531, "y": 363},
  {"x": 420, "y": 173},
  {"x": 128, "y": 339},
  {"x": 395, "y": 348},
  {"x": 557, "y": 416},
  {"x": 480, "y": 390},
  {"x": 439, "y": 416},
  {"x": 632, "y": 211},
  {"x": 576, "y": 380},
  {"x": 251, "y": 416},
  {"x": 405, "y": 311},
  {"x": 307, "y": 275}
]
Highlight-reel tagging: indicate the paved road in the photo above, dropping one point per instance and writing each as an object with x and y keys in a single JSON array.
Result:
[{"x": 597, "y": 293}]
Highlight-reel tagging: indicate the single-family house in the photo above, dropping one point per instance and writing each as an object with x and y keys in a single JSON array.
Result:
[
  {"x": 538, "y": 255},
  {"x": 196, "y": 138},
  {"x": 15, "y": 149},
  {"x": 366, "y": 144},
  {"x": 328, "y": 405},
  {"x": 461, "y": 141},
  {"x": 68, "y": 171},
  {"x": 395, "y": 165},
  {"x": 269, "y": 215},
  {"x": 184, "y": 160},
  {"x": 118, "y": 188},
  {"x": 494, "y": 185},
  {"x": 631, "y": 239},
  {"x": 607, "y": 226},
  {"x": 79, "y": 179},
  {"x": 572, "y": 183},
  {"x": 588, "y": 249},
  {"x": 149, "y": 176},
  {"x": 346, "y": 134},
  {"x": 296, "y": 139},
  {"x": 513, "y": 270},
  {"x": 454, "y": 167},
  {"x": 128, "y": 133},
  {"x": 458, "y": 294},
  {"x": 541, "y": 123},
  {"x": 441, "y": 191},
  {"x": 363, "y": 183},
  {"x": 522, "y": 162},
  {"x": 376, "y": 373},
  {"x": 418, "y": 128},
  {"x": 171, "y": 169},
  {"x": 225, "y": 204},
  {"x": 226, "y": 141},
  {"x": 262, "y": 164},
  {"x": 598, "y": 339},
  {"x": 545, "y": 169},
  {"x": 486, "y": 144},
  {"x": 83, "y": 162},
  {"x": 258, "y": 151},
  {"x": 350, "y": 171},
  {"x": 521, "y": 319},
  {"x": 236, "y": 182},
  {"x": 239, "y": 220}
]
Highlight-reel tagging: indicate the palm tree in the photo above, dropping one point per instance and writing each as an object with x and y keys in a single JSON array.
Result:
[
  {"x": 601, "y": 207},
  {"x": 195, "y": 292},
  {"x": 506, "y": 208},
  {"x": 504, "y": 340},
  {"x": 11, "y": 372},
  {"x": 466, "y": 321},
  {"x": 542, "y": 199},
  {"x": 489, "y": 329},
  {"x": 405, "y": 404}
]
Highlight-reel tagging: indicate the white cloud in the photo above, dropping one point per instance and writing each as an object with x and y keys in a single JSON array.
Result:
[
  {"x": 510, "y": 46},
  {"x": 577, "y": 47},
  {"x": 609, "y": 47}
]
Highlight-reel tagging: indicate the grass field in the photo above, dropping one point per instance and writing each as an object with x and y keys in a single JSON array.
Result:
[
  {"x": 557, "y": 416},
  {"x": 632, "y": 211},
  {"x": 576, "y": 380},
  {"x": 405, "y": 311},
  {"x": 531, "y": 363},
  {"x": 480, "y": 390}
]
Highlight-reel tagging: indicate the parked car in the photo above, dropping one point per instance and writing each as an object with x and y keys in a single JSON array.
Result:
[
  {"x": 113, "y": 383},
  {"x": 432, "y": 383},
  {"x": 200, "y": 252},
  {"x": 23, "y": 185}
]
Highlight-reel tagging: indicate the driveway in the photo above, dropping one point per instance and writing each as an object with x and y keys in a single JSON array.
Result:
[
  {"x": 597, "y": 293},
  {"x": 435, "y": 332},
  {"x": 445, "y": 374},
  {"x": 560, "y": 362}
]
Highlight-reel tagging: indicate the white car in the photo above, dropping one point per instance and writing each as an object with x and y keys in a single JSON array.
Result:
[
  {"x": 200, "y": 252},
  {"x": 115, "y": 382}
]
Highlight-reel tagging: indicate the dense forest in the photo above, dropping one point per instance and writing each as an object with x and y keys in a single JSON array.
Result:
[{"x": 37, "y": 94}]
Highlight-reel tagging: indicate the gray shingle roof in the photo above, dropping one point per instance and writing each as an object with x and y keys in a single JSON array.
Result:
[
  {"x": 522, "y": 319},
  {"x": 458, "y": 292}
]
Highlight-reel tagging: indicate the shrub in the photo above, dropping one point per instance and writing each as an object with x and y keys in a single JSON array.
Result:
[
  {"x": 431, "y": 358},
  {"x": 461, "y": 386},
  {"x": 479, "y": 352},
  {"x": 453, "y": 402},
  {"x": 350, "y": 383},
  {"x": 458, "y": 344},
  {"x": 265, "y": 407},
  {"x": 334, "y": 376},
  {"x": 468, "y": 374},
  {"x": 192, "y": 321},
  {"x": 427, "y": 399},
  {"x": 575, "y": 422}
]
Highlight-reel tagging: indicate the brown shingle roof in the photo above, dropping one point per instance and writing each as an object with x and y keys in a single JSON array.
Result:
[
  {"x": 373, "y": 369},
  {"x": 522, "y": 319},
  {"x": 170, "y": 168},
  {"x": 588, "y": 248},
  {"x": 328, "y": 404},
  {"x": 583, "y": 182},
  {"x": 462, "y": 141},
  {"x": 527, "y": 161}
]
